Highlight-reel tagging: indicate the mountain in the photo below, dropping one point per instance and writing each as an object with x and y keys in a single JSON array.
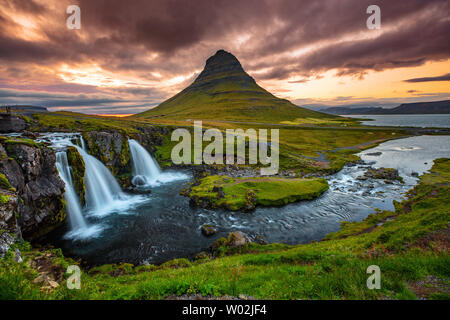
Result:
[
  {"x": 434, "y": 107},
  {"x": 224, "y": 91},
  {"x": 347, "y": 110}
]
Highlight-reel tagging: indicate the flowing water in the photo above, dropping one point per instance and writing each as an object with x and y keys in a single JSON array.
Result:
[
  {"x": 164, "y": 226},
  {"x": 146, "y": 171},
  {"x": 73, "y": 206},
  {"x": 406, "y": 120}
]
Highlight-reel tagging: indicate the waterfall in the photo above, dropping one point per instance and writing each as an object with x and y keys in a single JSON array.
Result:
[
  {"x": 145, "y": 169},
  {"x": 72, "y": 202},
  {"x": 83, "y": 144},
  {"x": 102, "y": 189}
]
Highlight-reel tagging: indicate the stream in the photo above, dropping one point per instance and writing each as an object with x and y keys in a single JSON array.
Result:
[{"x": 162, "y": 225}]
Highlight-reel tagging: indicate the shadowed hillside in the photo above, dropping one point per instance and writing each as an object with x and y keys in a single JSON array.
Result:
[{"x": 224, "y": 91}]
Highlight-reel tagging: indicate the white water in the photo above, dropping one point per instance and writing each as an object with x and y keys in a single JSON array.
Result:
[
  {"x": 146, "y": 170},
  {"x": 73, "y": 203},
  {"x": 103, "y": 193},
  {"x": 83, "y": 144},
  {"x": 79, "y": 227}
]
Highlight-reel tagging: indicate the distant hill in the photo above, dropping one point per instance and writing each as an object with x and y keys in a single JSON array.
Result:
[
  {"x": 435, "y": 107},
  {"x": 347, "y": 110},
  {"x": 23, "y": 108},
  {"x": 224, "y": 91}
]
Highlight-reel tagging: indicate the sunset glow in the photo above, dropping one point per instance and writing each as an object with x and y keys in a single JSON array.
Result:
[{"x": 123, "y": 61}]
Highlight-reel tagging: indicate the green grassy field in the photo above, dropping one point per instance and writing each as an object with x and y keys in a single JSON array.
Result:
[{"x": 410, "y": 245}]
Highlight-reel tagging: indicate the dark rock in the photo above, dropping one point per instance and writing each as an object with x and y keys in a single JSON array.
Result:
[
  {"x": 139, "y": 181},
  {"x": 36, "y": 205},
  {"x": 10, "y": 123},
  {"x": 414, "y": 174},
  {"x": 8, "y": 210},
  {"x": 208, "y": 230},
  {"x": 383, "y": 173},
  {"x": 374, "y": 154}
]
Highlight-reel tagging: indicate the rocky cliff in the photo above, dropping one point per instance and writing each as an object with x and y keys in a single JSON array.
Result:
[
  {"x": 112, "y": 149},
  {"x": 31, "y": 191}
]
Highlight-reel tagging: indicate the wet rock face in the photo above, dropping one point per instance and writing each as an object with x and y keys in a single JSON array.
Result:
[
  {"x": 111, "y": 148},
  {"x": 35, "y": 196},
  {"x": 5, "y": 243},
  {"x": 78, "y": 167},
  {"x": 8, "y": 208}
]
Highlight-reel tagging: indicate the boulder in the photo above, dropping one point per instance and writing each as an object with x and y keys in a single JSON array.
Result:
[
  {"x": 388, "y": 174},
  {"x": 208, "y": 230},
  {"x": 237, "y": 239}
]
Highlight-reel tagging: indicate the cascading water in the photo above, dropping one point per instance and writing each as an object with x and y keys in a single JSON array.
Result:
[
  {"x": 83, "y": 144},
  {"x": 143, "y": 165},
  {"x": 73, "y": 206},
  {"x": 102, "y": 189},
  {"x": 146, "y": 170}
]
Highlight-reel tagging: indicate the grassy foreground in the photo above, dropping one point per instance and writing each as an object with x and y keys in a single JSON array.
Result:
[
  {"x": 410, "y": 245},
  {"x": 246, "y": 193}
]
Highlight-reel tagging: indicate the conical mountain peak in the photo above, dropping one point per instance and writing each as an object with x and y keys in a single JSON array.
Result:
[
  {"x": 224, "y": 91},
  {"x": 222, "y": 65}
]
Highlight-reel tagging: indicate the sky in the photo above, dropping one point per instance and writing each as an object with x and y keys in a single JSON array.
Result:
[{"x": 129, "y": 56}]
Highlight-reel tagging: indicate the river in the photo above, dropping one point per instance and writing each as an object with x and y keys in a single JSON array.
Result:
[
  {"x": 406, "y": 120},
  {"x": 164, "y": 226}
]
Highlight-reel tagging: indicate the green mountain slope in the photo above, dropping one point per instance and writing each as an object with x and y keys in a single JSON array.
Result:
[{"x": 224, "y": 91}]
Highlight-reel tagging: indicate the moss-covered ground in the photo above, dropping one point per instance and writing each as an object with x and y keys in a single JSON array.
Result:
[
  {"x": 409, "y": 244},
  {"x": 246, "y": 193}
]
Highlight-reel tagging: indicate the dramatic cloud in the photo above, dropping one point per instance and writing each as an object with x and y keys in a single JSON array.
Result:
[
  {"x": 135, "y": 54},
  {"x": 445, "y": 77}
]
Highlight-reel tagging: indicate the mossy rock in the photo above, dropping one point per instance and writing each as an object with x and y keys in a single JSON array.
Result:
[
  {"x": 77, "y": 164},
  {"x": 4, "y": 182}
]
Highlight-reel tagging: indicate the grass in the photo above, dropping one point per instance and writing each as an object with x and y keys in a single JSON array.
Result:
[
  {"x": 246, "y": 193},
  {"x": 16, "y": 140},
  {"x": 296, "y": 143},
  {"x": 54, "y": 121},
  {"x": 408, "y": 248}
]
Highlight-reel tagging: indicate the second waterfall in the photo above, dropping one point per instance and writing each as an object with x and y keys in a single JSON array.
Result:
[{"x": 145, "y": 170}]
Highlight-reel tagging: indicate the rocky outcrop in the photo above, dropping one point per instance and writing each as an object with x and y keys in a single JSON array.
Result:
[
  {"x": 112, "y": 148},
  {"x": 78, "y": 167},
  {"x": 33, "y": 195},
  {"x": 10, "y": 123},
  {"x": 388, "y": 174}
]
